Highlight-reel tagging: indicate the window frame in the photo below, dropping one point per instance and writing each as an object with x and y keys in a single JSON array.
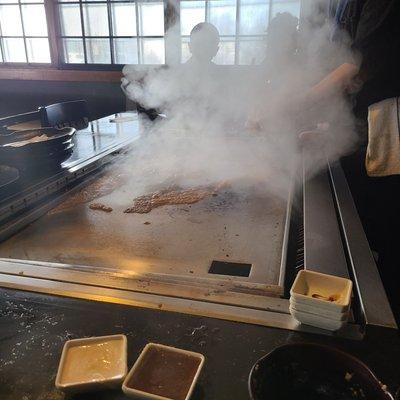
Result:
[
  {"x": 27, "y": 64},
  {"x": 111, "y": 66},
  {"x": 237, "y": 36},
  {"x": 171, "y": 17}
]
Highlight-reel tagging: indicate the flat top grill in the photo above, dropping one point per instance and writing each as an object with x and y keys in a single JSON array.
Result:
[
  {"x": 178, "y": 240},
  {"x": 223, "y": 257}
]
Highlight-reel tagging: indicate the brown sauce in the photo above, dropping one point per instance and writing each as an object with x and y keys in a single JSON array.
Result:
[{"x": 165, "y": 373}]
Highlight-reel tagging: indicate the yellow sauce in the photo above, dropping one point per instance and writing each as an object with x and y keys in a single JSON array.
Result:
[{"x": 93, "y": 362}]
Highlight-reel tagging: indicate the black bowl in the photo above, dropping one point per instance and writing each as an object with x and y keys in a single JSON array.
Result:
[{"x": 313, "y": 372}]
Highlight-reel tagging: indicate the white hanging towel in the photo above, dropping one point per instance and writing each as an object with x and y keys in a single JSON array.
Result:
[{"x": 383, "y": 151}]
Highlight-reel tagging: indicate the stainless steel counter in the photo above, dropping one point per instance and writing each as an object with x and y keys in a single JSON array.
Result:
[{"x": 67, "y": 249}]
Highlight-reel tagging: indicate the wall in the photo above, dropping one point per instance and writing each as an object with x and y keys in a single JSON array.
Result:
[{"x": 18, "y": 96}]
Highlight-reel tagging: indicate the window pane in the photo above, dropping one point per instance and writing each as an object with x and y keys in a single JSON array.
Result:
[
  {"x": 124, "y": 19},
  {"x": 152, "y": 51},
  {"x": 98, "y": 51},
  {"x": 223, "y": 16},
  {"x": 226, "y": 53},
  {"x": 73, "y": 51},
  {"x": 95, "y": 17},
  {"x": 253, "y": 16},
  {"x": 14, "y": 50},
  {"x": 35, "y": 23},
  {"x": 185, "y": 50},
  {"x": 151, "y": 19},
  {"x": 192, "y": 13},
  {"x": 38, "y": 50},
  {"x": 251, "y": 51},
  {"x": 70, "y": 20},
  {"x": 286, "y": 6},
  {"x": 125, "y": 51},
  {"x": 31, "y": 1},
  {"x": 10, "y": 21}
]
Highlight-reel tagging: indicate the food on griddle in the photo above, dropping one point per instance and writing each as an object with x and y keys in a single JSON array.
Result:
[
  {"x": 100, "y": 207},
  {"x": 101, "y": 187},
  {"x": 144, "y": 204}
]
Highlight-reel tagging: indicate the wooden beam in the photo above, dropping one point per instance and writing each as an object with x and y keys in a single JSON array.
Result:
[{"x": 59, "y": 75}]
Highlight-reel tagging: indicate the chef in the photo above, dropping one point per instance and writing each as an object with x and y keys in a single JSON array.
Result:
[
  {"x": 168, "y": 90},
  {"x": 373, "y": 170},
  {"x": 203, "y": 45}
]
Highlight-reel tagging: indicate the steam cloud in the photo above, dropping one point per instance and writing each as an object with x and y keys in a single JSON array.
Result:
[{"x": 205, "y": 139}]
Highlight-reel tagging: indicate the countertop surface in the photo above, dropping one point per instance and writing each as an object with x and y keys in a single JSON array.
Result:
[{"x": 34, "y": 327}]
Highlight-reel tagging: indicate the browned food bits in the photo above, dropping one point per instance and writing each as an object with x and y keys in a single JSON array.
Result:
[
  {"x": 144, "y": 204},
  {"x": 100, "y": 207},
  {"x": 101, "y": 187},
  {"x": 331, "y": 298}
]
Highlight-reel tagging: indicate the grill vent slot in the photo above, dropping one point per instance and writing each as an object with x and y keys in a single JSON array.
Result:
[
  {"x": 299, "y": 263},
  {"x": 229, "y": 268}
]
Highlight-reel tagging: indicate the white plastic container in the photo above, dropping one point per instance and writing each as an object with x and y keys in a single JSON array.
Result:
[
  {"x": 163, "y": 373},
  {"x": 299, "y": 306},
  {"x": 323, "y": 313},
  {"x": 314, "y": 289},
  {"x": 92, "y": 364},
  {"x": 317, "y": 320}
]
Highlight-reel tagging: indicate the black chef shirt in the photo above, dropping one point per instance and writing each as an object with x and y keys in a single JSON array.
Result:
[{"x": 374, "y": 30}]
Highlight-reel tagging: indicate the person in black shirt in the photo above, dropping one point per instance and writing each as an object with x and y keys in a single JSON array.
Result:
[{"x": 373, "y": 172}]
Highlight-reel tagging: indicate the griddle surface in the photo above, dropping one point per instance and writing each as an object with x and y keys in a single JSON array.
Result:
[{"x": 180, "y": 240}]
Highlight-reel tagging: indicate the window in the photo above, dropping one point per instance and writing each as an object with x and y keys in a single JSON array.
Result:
[
  {"x": 112, "y": 32},
  {"x": 23, "y": 32},
  {"x": 242, "y": 25},
  {"x": 107, "y": 34}
]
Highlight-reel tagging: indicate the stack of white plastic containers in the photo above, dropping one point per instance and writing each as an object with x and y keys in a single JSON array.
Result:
[{"x": 321, "y": 300}]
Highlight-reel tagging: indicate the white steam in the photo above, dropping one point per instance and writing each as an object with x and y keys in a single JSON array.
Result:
[{"x": 205, "y": 137}]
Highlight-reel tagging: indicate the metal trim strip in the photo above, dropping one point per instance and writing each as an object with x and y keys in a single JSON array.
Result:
[
  {"x": 323, "y": 248},
  {"x": 219, "y": 311},
  {"x": 374, "y": 303}
]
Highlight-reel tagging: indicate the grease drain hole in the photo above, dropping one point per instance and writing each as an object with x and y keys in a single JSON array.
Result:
[{"x": 229, "y": 268}]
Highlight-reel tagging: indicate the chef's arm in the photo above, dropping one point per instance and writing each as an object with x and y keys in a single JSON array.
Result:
[
  {"x": 338, "y": 80},
  {"x": 368, "y": 42}
]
